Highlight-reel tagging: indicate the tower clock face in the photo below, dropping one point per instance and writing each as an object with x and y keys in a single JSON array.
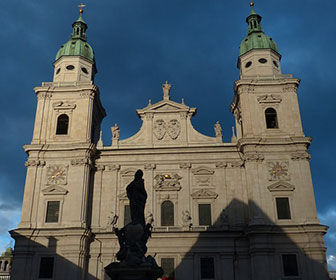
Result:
[
  {"x": 278, "y": 171},
  {"x": 57, "y": 175}
]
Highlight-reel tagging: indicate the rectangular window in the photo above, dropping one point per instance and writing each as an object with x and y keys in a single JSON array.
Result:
[
  {"x": 52, "y": 212},
  {"x": 204, "y": 214},
  {"x": 207, "y": 268},
  {"x": 127, "y": 215},
  {"x": 290, "y": 267},
  {"x": 168, "y": 267},
  {"x": 282, "y": 204},
  {"x": 46, "y": 268}
]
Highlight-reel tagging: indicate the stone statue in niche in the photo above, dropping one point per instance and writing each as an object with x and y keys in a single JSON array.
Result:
[
  {"x": 218, "y": 129},
  {"x": 149, "y": 218},
  {"x": 133, "y": 238},
  {"x": 186, "y": 219},
  {"x": 111, "y": 221}
]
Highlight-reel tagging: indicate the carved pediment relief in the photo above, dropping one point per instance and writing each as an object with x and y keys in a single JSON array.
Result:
[
  {"x": 54, "y": 190},
  {"x": 203, "y": 176},
  {"x": 203, "y": 171},
  {"x": 204, "y": 193},
  {"x": 60, "y": 105},
  {"x": 269, "y": 98},
  {"x": 167, "y": 182},
  {"x": 281, "y": 186}
]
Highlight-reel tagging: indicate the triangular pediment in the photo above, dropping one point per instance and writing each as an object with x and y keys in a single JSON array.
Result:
[
  {"x": 281, "y": 186},
  {"x": 54, "y": 190},
  {"x": 269, "y": 98},
  {"x": 166, "y": 106},
  {"x": 204, "y": 193}
]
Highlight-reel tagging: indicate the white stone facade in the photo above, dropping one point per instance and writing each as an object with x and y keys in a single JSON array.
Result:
[{"x": 242, "y": 181}]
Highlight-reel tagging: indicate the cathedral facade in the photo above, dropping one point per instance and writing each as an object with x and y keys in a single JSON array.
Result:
[{"x": 244, "y": 209}]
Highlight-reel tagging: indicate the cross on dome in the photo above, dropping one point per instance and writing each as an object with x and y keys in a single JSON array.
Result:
[{"x": 81, "y": 6}]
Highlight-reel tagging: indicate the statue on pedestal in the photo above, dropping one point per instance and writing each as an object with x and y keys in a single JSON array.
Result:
[
  {"x": 133, "y": 238},
  {"x": 137, "y": 196}
]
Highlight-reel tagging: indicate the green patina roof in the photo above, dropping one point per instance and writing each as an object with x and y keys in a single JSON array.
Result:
[
  {"x": 77, "y": 45},
  {"x": 256, "y": 38}
]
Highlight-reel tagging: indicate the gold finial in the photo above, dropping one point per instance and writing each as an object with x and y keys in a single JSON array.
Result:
[
  {"x": 81, "y": 6},
  {"x": 251, "y": 4}
]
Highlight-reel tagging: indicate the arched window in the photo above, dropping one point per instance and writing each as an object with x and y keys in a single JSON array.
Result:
[
  {"x": 62, "y": 124},
  {"x": 6, "y": 266},
  {"x": 167, "y": 213},
  {"x": 0, "y": 265},
  {"x": 271, "y": 118}
]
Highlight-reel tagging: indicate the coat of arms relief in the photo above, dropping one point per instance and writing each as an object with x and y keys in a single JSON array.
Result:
[{"x": 171, "y": 127}]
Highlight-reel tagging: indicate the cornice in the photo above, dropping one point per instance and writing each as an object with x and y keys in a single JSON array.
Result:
[
  {"x": 267, "y": 81},
  {"x": 274, "y": 141},
  {"x": 59, "y": 147}
]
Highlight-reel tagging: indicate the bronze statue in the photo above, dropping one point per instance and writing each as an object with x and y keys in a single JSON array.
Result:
[
  {"x": 133, "y": 237},
  {"x": 137, "y": 196}
]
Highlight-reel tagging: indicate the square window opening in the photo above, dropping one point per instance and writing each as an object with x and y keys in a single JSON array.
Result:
[
  {"x": 283, "y": 210},
  {"x": 207, "y": 268},
  {"x": 46, "y": 268},
  {"x": 204, "y": 214},
  {"x": 290, "y": 267},
  {"x": 52, "y": 215},
  {"x": 168, "y": 266}
]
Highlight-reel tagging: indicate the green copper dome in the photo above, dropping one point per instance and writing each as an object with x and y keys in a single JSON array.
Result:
[
  {"x": 77, "y": 45},
  {"x": 256, "y": 38}
]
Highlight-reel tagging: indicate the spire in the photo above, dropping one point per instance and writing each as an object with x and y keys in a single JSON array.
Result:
[
  {"x": 79, "y": 26},
  {"x": 253, "y": 21}
]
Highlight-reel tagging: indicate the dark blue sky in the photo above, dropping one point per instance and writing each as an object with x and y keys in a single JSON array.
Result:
[{"x": 193, "y": 44}]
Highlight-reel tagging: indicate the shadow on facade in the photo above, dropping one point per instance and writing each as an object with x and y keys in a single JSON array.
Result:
[
  {"x": 42, "y": 259},
  {"x": 233, "y": 248},
  {"x": 247, "y": 250}
]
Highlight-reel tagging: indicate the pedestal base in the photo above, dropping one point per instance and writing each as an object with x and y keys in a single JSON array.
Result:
[{"x": 119, "y": 271}]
